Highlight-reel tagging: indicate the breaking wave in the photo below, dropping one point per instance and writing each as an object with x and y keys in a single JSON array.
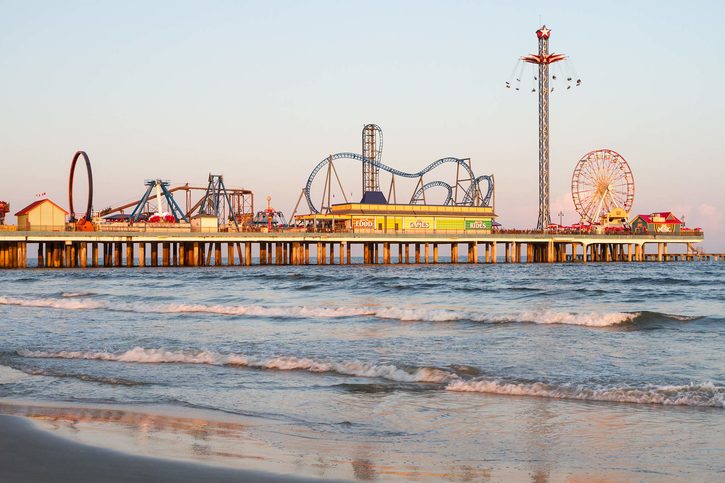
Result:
[
  {"x": 68, "y": 303},
  {"x": 73, "y": 301},
  {"x": 705, "y": 394},
  {"x": 77, "y": 294},
  {"x": 283, "y": 363}
]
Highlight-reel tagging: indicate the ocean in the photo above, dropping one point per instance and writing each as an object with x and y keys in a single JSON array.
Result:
[{"x": 431, "y": 372}]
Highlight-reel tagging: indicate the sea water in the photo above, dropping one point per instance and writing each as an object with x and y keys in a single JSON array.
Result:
[{"x": 421, "y": 372}]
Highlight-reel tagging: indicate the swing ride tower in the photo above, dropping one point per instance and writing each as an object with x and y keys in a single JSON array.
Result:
[{"x": 543, "y": 60}]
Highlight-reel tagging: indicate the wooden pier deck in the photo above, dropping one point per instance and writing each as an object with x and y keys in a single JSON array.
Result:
[{"x": 165, "y": 249}]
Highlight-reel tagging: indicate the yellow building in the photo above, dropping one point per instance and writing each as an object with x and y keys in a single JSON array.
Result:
[
  {"x": 205, "y": 223},
  {"x": 363, "y": 217},
  {"x": 42, "y": 215}
]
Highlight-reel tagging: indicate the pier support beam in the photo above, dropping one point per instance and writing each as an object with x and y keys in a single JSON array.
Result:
[
  {"x": 129, "y": 254},
  {"x": 166, "y": 254}
]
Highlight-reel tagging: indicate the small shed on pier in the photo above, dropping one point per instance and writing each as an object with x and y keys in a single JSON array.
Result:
[
  {"x": 42, "y": 215},
  {"x": 663, "y": 222}
]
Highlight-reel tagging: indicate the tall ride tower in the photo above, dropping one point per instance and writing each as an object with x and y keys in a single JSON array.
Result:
[
  {"x": 372, "y": 149},
  {"x": 543, "y": 59}
]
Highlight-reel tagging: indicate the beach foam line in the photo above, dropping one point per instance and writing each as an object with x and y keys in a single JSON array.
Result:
[
  {"x": 413, "y": 314},
  {"x": 283, "y": 363},
  {"x": 590, "y": 319},
  {"x": 62, "y": 303},
  {"x": 704, "y": 394}
]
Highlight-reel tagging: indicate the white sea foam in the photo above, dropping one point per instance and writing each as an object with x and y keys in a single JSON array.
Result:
[
  {"x": 72, "y": 301},
  {"x": 65, "y": 303},
  {"x": 263, "y": 311},
  {"x": 705, "y": 394},
  {"x": 76, "y": 294},
  {"x": 590, "y": 319},
  {"x": 282, "y": 363},
  {"x": 9, "y": 375}
]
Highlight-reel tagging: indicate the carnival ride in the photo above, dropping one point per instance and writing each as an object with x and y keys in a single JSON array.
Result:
[
  {"x": 269, "y": 218},
  {"x": 602, "y": 182},
  {"x": 4, "y": 208},
  {"x": 240, "y": 200},
  {"x": 167, "y": 210},
  {"x": 542, "y": 65},
  {"x": 216, "y": 201},
  {"x": 85, "y": 223},
  {"x": 466, "y": 190}
]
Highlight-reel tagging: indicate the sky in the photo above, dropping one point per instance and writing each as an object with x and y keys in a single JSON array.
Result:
[{"x": 261, "y": 91}]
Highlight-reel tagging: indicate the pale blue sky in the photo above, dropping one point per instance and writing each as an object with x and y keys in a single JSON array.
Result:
[{"x": 262, "y": 91}]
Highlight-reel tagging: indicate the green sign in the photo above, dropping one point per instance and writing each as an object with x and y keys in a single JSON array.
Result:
[{"x": 478, "y": 224}]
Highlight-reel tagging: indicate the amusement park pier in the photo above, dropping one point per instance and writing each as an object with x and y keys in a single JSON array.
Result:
[
  {"x": 167, "y": 249},
  {"x": 448, "y": 214}
]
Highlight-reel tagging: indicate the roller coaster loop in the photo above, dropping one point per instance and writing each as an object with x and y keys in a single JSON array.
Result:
[
  {"x": 90, "y": 186},
  {"x": 468, "y": 199}
]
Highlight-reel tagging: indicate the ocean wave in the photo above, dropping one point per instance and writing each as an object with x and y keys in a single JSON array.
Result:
[
  {"x": 705, "y": 394},
  {"x": 76, "y": 294},
  {"x": 263, "y": 311},
  {"x": 591, "y": 319},
  {"x": 73, "y": 301},
  {"x": 108, "y": 380},
  {"x": 281, "y": 363},
  {"x": 63, "y": 303}
]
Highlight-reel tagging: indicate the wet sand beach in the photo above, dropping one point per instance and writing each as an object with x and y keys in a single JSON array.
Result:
[{"x": 30, "y": 454}]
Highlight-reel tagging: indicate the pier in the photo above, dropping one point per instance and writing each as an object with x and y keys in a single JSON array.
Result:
[{"x": 190, "y": 249}]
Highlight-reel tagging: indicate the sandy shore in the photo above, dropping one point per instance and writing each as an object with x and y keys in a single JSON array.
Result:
[{"x": 30, "y": 454}]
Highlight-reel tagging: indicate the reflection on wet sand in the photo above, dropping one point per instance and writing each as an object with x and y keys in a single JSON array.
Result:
[
  {"x": 527, "y": 446},
  {"x": 229, "y": 443}
]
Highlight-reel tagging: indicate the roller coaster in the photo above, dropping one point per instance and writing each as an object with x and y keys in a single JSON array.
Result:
[{"x": 465, "y": 191}]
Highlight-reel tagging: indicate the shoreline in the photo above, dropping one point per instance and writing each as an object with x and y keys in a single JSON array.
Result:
[{"x": 31, "y": 454}]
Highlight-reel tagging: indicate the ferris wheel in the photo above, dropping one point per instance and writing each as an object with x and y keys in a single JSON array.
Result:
[{"x": 602, "y": 181}]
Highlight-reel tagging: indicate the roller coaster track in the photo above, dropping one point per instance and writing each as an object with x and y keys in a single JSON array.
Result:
[{"x": 468, "y": 199}]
